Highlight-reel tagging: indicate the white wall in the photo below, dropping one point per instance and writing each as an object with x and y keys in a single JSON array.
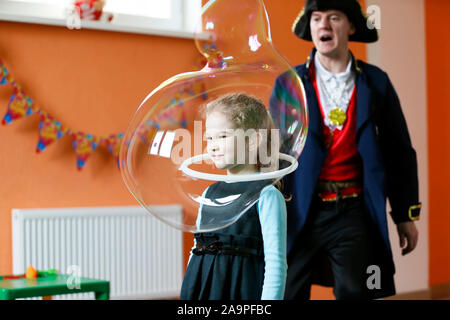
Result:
[{"x": 401, "y": 53}]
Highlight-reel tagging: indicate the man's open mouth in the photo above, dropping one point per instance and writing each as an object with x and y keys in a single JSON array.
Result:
[{"x": 326, "y": 38}]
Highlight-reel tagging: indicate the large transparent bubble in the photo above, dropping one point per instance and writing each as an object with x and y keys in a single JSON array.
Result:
[{"x": 182, "y": 147}]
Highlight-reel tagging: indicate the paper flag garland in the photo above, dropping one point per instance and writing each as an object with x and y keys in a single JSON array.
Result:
[
  {"x": 113, "y": 142},
  {"x": 5, "y": 78},
  {"x": 215, "y": 56},
  {"x": 84, "y": 145},
  {"x": 49, "y": 131},
  {"x": 21, "y": 105}
]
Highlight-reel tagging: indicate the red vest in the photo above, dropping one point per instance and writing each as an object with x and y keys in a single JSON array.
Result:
[{"x": 343, "y": 161}]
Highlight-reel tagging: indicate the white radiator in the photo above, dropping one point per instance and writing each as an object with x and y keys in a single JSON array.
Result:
[{"x": 140, "y": 256}]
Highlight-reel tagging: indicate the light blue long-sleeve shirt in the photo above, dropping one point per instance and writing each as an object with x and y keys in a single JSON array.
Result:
[
  {"x": 272, "y": 216},
  {"x": 271, "y": 208}
]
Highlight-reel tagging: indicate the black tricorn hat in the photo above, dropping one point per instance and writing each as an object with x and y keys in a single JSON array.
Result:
[{"x": 351, "y": 8}]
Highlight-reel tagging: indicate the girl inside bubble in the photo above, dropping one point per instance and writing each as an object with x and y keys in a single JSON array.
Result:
[{"x": 247, "y": 259}]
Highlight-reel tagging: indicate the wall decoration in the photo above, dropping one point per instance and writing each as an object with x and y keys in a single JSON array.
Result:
[{"x": 20, "y": 106}]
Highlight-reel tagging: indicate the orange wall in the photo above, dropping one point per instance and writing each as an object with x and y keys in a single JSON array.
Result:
[
  {"x": 438, "y": 75},
  {"x": 93, "y": 81}
]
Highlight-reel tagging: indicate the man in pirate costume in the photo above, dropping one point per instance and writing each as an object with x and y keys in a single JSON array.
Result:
[{"x": 357, "y": 154}]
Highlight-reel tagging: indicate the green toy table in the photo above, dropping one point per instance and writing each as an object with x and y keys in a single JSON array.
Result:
[{"x": 51, "y": 285}]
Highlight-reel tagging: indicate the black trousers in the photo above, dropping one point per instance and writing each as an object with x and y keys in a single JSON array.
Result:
[{"x": 340, "y": 231}]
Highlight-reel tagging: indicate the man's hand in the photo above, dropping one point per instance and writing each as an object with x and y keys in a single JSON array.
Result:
[{"x": 408, "y": 235}]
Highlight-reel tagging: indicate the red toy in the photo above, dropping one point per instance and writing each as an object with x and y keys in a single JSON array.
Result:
[{"x": 90, "y": 9}]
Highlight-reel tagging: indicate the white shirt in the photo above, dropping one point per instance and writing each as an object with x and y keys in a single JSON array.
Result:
[{"x": 335, "y": 89}]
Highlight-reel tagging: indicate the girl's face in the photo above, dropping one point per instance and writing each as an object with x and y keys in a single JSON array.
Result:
[{"x": 220, "y": 140}]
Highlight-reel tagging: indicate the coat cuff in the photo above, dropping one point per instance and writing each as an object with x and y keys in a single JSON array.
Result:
[{"x": 413, "y": 214}]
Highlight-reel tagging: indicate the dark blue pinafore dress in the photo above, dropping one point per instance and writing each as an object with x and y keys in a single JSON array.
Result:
[{"x": 228, "y": 264}]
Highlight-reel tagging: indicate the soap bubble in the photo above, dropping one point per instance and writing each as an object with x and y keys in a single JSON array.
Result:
[{"x": 169, "y": 151}]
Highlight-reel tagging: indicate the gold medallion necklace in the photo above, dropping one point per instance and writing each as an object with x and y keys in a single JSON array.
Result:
[{"x": 337, "y": 115}]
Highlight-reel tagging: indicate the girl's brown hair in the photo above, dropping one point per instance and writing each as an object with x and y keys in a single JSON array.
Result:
[{"x": 246, "y": 112}]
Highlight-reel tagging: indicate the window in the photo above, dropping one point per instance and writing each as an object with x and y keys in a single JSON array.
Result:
[{"x": 175, "y": 18}]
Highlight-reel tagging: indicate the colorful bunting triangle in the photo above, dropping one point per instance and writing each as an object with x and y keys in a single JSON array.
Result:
[
  {"x": 19, "y": 106},
  {"x": 50, "y": 130},
  {"x": 114, "y": 141},
  {"x": 5, "y": 77},
  {"x": 84, "y": 145}
]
